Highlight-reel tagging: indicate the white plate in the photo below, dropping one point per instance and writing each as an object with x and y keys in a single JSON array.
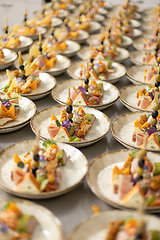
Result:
[
  {"x": 101, "y": 168},
  {"x": 95, "y": 227},
  {"x": 62, "y": 13},
  {"x": 94, "y": 27},
  {"x": 98, "y": 130},
  {"x": 48, "y": 224},
  {"x": 98, "y": 18},
  {"x": 72, "y": 173},
  {"x": 137, "y": 16},
  {"x": 136, "y": 33},
  {"x": 10, "y": 57},
  {"x": 134, "y": 23},
  {"x": 103, "y": 11},
  {"x": 74, "y": 71},
  {"x": 147, "y": 25},
  {"x": 25, "y": 44},
  {"x": 62, "y": 64},
  {"x": 71, "y": 7},
  {"x": 136, "y": 74},
  {"x": 123, "y": 128},
  {"x": 71, "y": 49},
  {"x": 27, "y": 110},
  {"x": 93, "y": 40},
  {"x": 84, "y": 53},
  {"x": 137, "y": 57},
  {"x": 40, "y": 30},
  {"x": 110, "y": 95},
  {"x": 139, "y": 45},
  {"x": 47, "y": 83},
  {"x": 129, "y": 99},
  {"x": 82, "y": 36}
]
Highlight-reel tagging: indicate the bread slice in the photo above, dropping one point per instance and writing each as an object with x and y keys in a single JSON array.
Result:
[
  {"x": 134, "y": 198},
  {"x": 80, "y": 99},
  {"x": 62, "y": 135},
  {"x": 29, "y": 184}
]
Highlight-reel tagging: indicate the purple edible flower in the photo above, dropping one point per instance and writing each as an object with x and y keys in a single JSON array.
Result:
[
  {"x": 153, "y": 40},
  {"x": 151, "y": 130},
  {"x": 82, "y": 90},
  {"x": 66, "y": 124},
  {"x": 6, "y": 103},
  {"x": 151, "y": 95},
  {"x": 42, "y": 158},
  {"x": 19, "y": 79},
  {"x": 3, "y": 227}
]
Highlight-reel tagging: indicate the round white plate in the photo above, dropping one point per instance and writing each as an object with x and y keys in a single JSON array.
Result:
[
  {"x": 26, "y": 42},
  {"x": 26, "y": 112},
  {"x": 71, "y": 7},
  {"x": 137, "y": 16},
  {"x": 103, "y": 11},
  {"x": 95, "y": 227},
  {"x": 123, "y": 128},
  {"x": 136, "y": 33},
  {"x": 139, "y": 45},
  {"x": 101, "y": 168},
  {"x": 60, "y": 66},
  {"x": 129, "y": 99},
  {"x": 110, "y": 94},
  {"x": 137, "y": 57},
  {"x": 72, "y": 48},
  {"x": 40, "y": 30},
  {"x": 10, "y": 57},
  {"x": 136, "y": 74},
  {"x": 93, "y": 40},
  {"x": 98, "y": 130},
  {"x": 94, "y": 27},
  {"x": 74, "y": 71},
  {"x": 98, "y": 18},
  {"x": 45, "y": 87},
  {"x": 48, "y": 224},
  {"x": 134, "y": 23},
  {"x": 72, "y": 173},
  {"x": 62, "y": 13},
  {"x": 82, "y": 36},
  {"x": 77, "y": 2},
  {"x": 84, "y": 53},
  {"x": 108, "y": 5}
]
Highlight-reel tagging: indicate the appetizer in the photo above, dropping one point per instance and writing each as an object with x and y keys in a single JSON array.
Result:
[
  {"x": 22, "y": 81},
  {"x": 148, "y": 126},
  {"x": 11, "y": 40},
  {"x": 41, "y": 58},
  {"x": 130, "y": 228},
  {"x": 39, "y": 171},
  {"x": 98, "y": 69},
  {"x": 88, "y": 93},
  {"x": 14, "y": 224},
  {"x": 149, "y": 75},
  {"x": 73, "y": 126},
  {"x": 9, "y": 107},
  {"x": 137, "y": 182}
]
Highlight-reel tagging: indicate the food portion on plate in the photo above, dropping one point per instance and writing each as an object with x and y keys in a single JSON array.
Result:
[
  {"x": 110, "y": 93},
  {"x": 73, "y": 126},
  {"x": 39, "y": 169},
  {"x": 9, "y": 107},
  {"x": 22, "y": 81},
  {"x": 136, "y": 181},
  {"x": 15, "y": 223}
]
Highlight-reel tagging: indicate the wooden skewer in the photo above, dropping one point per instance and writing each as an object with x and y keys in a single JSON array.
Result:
[
  {"x": 5, "y": 21},
  {"x": 69, "y": 93},
  {"x": 40, "y": 38},
  {"x": 156, "y": 97}
]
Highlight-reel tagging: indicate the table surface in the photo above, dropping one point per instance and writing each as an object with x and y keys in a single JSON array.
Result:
[{"x": 76, "y": 205}]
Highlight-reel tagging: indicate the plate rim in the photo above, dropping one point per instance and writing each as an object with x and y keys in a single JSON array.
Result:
[{"x": 42, "y": 195}]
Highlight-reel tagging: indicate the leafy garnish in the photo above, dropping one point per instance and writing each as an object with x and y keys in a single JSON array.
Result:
[
  {"x": 58, "y": 123},
  {"x": 74, "y": 139},
  {"x": 47, "y": 143},
  {"x": 6, "y": 206},
  {"x": 149, "y": 86},
  {"x": 134, "y": 153},
  {"x": 7, "y": 87}
]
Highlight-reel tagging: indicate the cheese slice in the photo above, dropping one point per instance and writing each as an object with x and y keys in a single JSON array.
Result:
[
  {"x": 62, "y": 135},
  {"x": 99, "y": 56},
  {"x": 134, "y": 198},
  {"x": 29, "y": 184},
  {"x": 80, "y": 99}
]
